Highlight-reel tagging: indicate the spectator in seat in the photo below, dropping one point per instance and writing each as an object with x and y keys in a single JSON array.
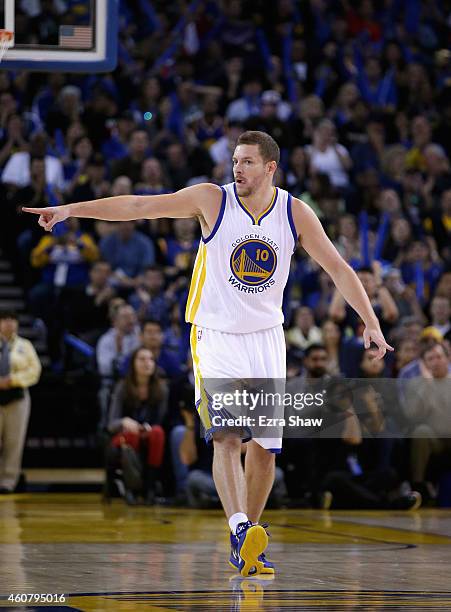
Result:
[
  {"x": 179, "y": 250},
  {"x": 222, "y": 151},
  {"x": 268, "y": 119},
  {"x": 64, "y": 257},
  {"x": 197, "y": 458},
  {"x": 444, "y": 285},
  {"x": 403, "y": 295},
  {"x": 152, "y": 338},
  {"x": 379, "y": 296},
  {"x": 440, "y": 310},
  {"x": 332, "y": 343},
  {"x": 439, "y": 223},
  {"x": 115, "y": 147},
  {"x": 118, "y": 342},
  {"x": 92, "y": 183},
  {"x": 406, "y": 352},
  {"x": 414, "y": 368},
  {"x": 149, "y": 299},
  {"x": 132, "y": 165},
  {"x": 369, "y": 154},
  {"x": 19, "y": 369},
  {"x": 438, "y": 174},
  {"x": 153, "y": 181},
  {"x": 348, "y": 239},
  {"x": 356, "y": 466},
  {"x": 17, "y": 172},
  {"x": 426, "y": 408},
  {"x": 421, "y": 268},
  {"x": 248, "y": 105},
  {"x": 326, "y": 155},
  {"x": 76, "y": 165},
  {"x": 398, "y": 241},
  {"x": 177, "y": 167},
  {"x": 65, "y": 110},
  {"x": 137, "y": 410},
  {"x": 304, "y": 331},
  {"x": 84, "y": 309},
  {"x": 129, "y": 253},
  {"x": 120, "y": 186},
  {"x": 8, "y": 107},
  {"x": 21, "y": 235},
  {"x": 12, "y": 138}
]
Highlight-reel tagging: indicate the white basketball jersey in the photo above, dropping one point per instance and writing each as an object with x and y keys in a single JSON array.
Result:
[{"x": 241, "y": 269}]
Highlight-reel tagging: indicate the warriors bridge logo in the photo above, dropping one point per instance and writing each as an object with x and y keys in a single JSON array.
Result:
[{"x": 253, "y": 263}]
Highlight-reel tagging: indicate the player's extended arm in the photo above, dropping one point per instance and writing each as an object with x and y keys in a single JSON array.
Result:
[
  {"x": 320, "y": 248},
  {"x": 189, "y": 202}
]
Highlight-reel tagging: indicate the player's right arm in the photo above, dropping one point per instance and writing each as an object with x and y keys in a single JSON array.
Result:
[{"x": 194, "y": 201}]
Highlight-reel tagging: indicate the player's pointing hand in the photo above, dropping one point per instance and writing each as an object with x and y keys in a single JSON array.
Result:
[
  {"x": 374, "y": 334},
  {"x": 48, "y": 217}
]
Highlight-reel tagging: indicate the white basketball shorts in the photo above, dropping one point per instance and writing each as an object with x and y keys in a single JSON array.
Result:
[{"x": 218, "y": 355}]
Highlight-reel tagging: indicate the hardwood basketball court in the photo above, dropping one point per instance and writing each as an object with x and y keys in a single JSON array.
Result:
[{"x": 115, "y": 557}]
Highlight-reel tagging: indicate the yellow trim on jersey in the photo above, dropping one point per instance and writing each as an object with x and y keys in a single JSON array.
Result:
[
  {"x": 267, "y": 210},
  {"x": 203, "y": 406},
  {"x": 194, "y": 280},
  {"x": 197, "y": 283}
]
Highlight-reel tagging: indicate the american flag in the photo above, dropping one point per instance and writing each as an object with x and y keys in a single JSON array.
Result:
[{"x": 76, "y": 37}]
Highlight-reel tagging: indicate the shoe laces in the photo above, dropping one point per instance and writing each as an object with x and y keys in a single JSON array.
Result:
[
  {"x": 265, "y": 527},
  {"x": 241, "y": 527}
]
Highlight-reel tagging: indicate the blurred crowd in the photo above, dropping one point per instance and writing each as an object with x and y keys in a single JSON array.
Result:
[{"x": 358, "y": 96}]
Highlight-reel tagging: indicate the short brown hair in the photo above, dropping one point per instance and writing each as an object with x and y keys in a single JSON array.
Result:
[
  {"x": 267, "y": 146},
  {"x": 430, "y": 345}
]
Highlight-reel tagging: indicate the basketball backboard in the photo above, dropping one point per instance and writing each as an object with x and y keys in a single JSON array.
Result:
[{"x": 61, "y": 35}]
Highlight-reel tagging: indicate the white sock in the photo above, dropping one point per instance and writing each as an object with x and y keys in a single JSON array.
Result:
[{"x": 236, "y": 519}]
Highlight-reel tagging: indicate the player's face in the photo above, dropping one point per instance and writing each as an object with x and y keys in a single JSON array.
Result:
[{"x": 249, "y": 169}]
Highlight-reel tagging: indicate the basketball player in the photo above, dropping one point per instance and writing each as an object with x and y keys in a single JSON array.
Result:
[{"x": 249, "y": 231}]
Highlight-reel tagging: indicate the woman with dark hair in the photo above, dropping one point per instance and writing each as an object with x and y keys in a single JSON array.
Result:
[{"x": 137, "y": 409}]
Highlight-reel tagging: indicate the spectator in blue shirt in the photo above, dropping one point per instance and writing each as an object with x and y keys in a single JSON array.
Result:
[
  {"x": 149, "y": 300},
  {"x": 129, "y": 253},
  {"x": 152, "y": 339}
]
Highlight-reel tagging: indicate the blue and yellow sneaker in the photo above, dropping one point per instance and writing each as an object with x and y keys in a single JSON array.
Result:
[{"x": 247, "y": 550}]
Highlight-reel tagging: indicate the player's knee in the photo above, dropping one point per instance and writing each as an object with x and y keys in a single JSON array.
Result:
[
  {"x": 262, "y": 454},
  {"x": 227, "y": 441}
]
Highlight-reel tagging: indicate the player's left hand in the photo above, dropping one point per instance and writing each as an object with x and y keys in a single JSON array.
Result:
[{"x": 374, "y": 334}]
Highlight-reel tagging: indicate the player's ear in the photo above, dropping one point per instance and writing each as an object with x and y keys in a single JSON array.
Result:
[{"x": 272, "y": 166}]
